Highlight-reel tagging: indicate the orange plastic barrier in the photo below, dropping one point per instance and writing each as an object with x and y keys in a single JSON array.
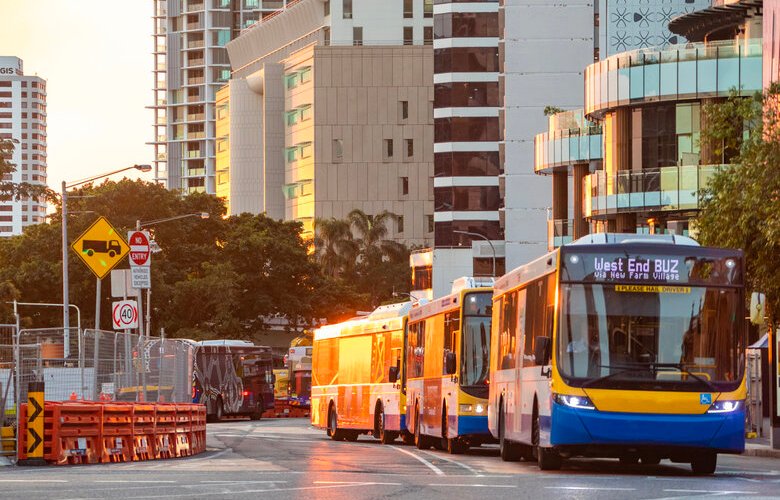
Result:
[
  {"x": 283, "y": 409},
  {"x": 88, "y": 432}
]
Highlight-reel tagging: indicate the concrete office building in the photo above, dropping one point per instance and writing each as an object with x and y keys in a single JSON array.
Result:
[
  {"x": 190, "y": 65},
  {"x": 23, "y": 121},
  {"x": 634, "y": 151},
  {"x": 329, "y": 109},
  {"x": 771, "y": 41}
]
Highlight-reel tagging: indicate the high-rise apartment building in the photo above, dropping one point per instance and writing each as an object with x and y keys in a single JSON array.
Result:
[
  {"x": 22, "y": 121},
  {"x": 190, "y": 65},
  {"x": 329, "y": 109}
]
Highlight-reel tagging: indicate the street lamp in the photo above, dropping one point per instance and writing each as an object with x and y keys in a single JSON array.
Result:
[
  {"x": 65, "y": 291},
  {"x": 484, "y": 238}
]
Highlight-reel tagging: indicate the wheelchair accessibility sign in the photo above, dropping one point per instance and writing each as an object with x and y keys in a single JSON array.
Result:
[{"x": 705, "y": 399}]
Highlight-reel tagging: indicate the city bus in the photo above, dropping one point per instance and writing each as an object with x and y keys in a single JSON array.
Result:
[
  {"x": 233, "y": 377},
  {"x": 447, "y": 357},
  {"x": 622, "y": 346},
  {"x": 357, "y": 379},
  {"x": 298, "y": 362}
]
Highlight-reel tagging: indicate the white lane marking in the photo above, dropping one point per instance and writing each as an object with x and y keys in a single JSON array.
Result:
[
  {"x": 33, "y": 480},
  {"x": 227, "y": 481},
  {"x": 356, "y": 482},
  {"x": 587, "y": 488},
  {"x": 715, "y": 492},
  {"x": 129, "y": 481},
  {"x": 274, "y": 490},
  {"x": 476, "y": 485},
  {"x": 446, "y": 459},
  {"x": 435, "y": 469}
]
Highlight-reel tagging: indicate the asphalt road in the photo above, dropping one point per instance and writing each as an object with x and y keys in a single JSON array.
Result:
[{"x": 288, "y": 459}]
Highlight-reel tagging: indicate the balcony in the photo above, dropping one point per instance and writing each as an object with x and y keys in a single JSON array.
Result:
[
  {"x": 200, "y": 80},
  {"x": 690, "y": 71},
  {"x": 195, "y": 44},
  {"x": 194, "y": 98},
  {"x": 195, "y": 62},
  {"x": 666, "y": 189},
  {"x": 559, "y": 233},
  {"x": 563, "y": 148},
  {"x": 196, "y": 117},
  {"x": 194, "y": 7},
  {"x": 196, "y": 135},
  {"x": 194, "y": 154},
  {"x": 198, "y": 25}
]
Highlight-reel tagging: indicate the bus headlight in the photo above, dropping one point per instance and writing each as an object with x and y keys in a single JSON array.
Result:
[
  {"x": 724, "y": 407},
  {"x": 479, "y": 409},
  {"x": 580, "y": 402}
]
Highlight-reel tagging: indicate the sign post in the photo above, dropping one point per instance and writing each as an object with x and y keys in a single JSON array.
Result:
[{"x": 124, "y": 314}]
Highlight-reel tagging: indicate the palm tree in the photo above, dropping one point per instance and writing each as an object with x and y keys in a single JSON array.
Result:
[
  {"x": 372, "y": 232},
  {"x": 334, "y": 246}
]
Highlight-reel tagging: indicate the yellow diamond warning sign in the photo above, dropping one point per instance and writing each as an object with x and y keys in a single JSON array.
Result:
[{"x": 100, "y": 247}]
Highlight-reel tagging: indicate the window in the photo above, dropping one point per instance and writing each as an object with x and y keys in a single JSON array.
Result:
[
  {"x": 427, "y": 8},
  {"x": 291, "y": 154},
  {"x": 409, "y": 143},
  {"x": 327, "y": 7},
  {"x": 357, "y": 35},
  {"x": 347, "y": 9},
  {"x": 326, "y": 35},
  {"x": 403, "y": 110},
  {"x": 338, "y": 150},
  {"x": 306, "y": 74},
  {"x": 408, "y": 35},
  {"x": 430, "y": 226},
  {"x": 388, "y": 149},
  {"x": 428, "y": 35},
  {"x": 408, "y": 9},
  {"x": 404, "y": 186},
  {"x": 507, "y": 331},
  {"x": 399, "y": 221},
  {"x": 292, "y": 117},
  {"x": 306, "y": 113},
  {"x": 306, "y": 150}
]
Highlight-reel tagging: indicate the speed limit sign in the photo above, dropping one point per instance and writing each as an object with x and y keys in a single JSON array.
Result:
[{"x": 124, "y": 314}]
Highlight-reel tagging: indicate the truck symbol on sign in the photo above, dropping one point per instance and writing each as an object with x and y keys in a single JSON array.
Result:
[{"x": 90, "y": 247}]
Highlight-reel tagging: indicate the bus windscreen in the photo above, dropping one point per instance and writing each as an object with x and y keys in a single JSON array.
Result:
[{"x": 650, "y": 337}]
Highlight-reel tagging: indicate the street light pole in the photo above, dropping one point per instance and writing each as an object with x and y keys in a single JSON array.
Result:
[
  {"x": 65, "y": 290},
  {"x": 492, "y": 248}
]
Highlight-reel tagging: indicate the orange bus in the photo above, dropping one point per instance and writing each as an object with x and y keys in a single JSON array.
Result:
[{"x": 357, "y": 376}]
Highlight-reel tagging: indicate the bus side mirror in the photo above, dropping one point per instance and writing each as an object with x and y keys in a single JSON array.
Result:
[
  {"x": 393, "y": 375},
  {"x": 542, "y": 350},
  {"x": 450, "y": 363}
]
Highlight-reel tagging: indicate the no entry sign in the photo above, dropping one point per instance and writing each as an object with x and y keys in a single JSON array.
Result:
[
  {"x": 140, "y": 253},
  {"x": 124, "y": 314}
]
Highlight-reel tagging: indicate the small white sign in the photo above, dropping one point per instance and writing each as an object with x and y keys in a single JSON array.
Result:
[
  {"x": 107, "y": 388},
  {"x": 121, "y": 284},
  {"x": 124, "y": 314},
  {"x": 141, "y": 277}
]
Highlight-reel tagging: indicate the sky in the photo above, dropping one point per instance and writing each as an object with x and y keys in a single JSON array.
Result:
[{"x": 96, "y": 58}]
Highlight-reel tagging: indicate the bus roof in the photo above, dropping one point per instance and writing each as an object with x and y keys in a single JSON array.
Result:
[
  {"x": 612, "y": 238},
  {"x": 519, "y": 275},
  {"x": 383, "y": 318},
  {"x": 446, "y": 303}
]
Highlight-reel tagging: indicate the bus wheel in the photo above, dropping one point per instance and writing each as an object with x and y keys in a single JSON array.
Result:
[
  {"x": 706, "y": 463},
  {"x": 420, "y": 441},
  {"x": 383, "y": 435},
  {"x": 257, "y": 415},
  {"x": 219, "y": 412},
  {"x": 509, "y": 451},
  {"x": 334, "y": 432},
  {"x": 453, "y": 446},
  {"x": 546, "y": 458},
  {"x": 407, "y": 437}
]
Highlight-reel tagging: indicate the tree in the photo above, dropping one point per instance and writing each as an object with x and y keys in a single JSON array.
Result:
[
  {"x": 334, "y": 246},
  {"x": 741, "y": 204}
]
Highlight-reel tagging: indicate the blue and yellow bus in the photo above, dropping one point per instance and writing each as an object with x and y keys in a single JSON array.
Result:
[
  {"x": 447, "y": 359},
  {"x": 624, "y": 346}
]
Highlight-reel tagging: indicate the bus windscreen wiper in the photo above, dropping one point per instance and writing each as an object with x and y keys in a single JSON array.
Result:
[
  {"x": 621, "y": 369},
  {"x": 683, "y": 370}
]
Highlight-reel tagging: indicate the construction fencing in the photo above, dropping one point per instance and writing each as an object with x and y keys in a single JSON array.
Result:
[{"x": 101, "y": 366}]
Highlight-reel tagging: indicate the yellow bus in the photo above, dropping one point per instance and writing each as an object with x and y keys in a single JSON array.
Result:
[
  {"x": 447, "y": 360},
  {"x": 624, "y": 346},
  {"x": 357, "y": 379}
]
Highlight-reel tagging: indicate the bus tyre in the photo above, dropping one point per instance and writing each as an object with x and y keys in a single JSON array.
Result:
[
  {"x": 334, "y": 432},
  {"x": 509, "y": 451},
  {"x": 219, "y": 410},
  {"x": 420, "y": 441},
  {"x": 380, "y": 432},
  {"x": 546, "y": 458},
  {"x": 704, "y": 463},
  {"x": 258, "y": 414},
  {"x": 407, "y": 437},
  {"x": 453, "y": 446}
]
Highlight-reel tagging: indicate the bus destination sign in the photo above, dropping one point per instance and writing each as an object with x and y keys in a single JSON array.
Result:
[{"x": 637, "y": 269}]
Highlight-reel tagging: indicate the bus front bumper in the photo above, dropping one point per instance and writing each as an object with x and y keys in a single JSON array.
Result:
[{"x": 723, "y": 432}]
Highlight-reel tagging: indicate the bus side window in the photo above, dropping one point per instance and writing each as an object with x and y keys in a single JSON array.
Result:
[
  {"x": 536, "y": 296},
  {"x": 508, "y": 332}
]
